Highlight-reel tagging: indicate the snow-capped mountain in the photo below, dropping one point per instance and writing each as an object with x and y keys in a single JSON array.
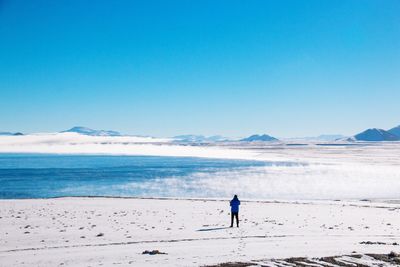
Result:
[
  {"x": 375, "y": 134},
  {"x": 91, "y": 132},
  {"x": 395, "y": 131},
  {"x": 259, "y": 138},
  {"x": 191, "y": 138}
]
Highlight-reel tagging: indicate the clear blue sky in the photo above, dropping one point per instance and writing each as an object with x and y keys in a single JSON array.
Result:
[{"x": 286, "y": 68}]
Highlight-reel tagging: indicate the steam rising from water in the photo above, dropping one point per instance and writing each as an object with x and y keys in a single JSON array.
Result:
[
  {"x": 328, "y": 172},
  {"x": 282, "y": 182},
  {"x": 277, "y": 182}
]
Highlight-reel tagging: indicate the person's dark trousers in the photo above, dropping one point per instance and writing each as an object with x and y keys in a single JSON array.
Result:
[{"x": 235, "y": 214}]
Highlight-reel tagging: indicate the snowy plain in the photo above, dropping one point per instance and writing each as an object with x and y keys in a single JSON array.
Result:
[{"x": 116, "y": 231}]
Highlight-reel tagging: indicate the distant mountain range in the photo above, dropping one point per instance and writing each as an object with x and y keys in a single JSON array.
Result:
[
  {"x": 377, "y": 135},
  {"x": 373, "y": 135},
  {"x": 319, "y": 138},
  {"x": 329, "y": 137},
  {"x": 259, "y": 138},
  {"x": 10, "y": 134},
  {"x": 91, "y": 132},
  {"x": 191, "y": 138}
]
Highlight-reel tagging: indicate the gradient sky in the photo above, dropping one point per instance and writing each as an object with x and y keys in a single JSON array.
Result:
[{"x": 162, "y": 68}]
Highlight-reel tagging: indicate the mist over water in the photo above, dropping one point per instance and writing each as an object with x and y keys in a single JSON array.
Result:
[
  {"x": 42, "y": 176},
  {"x": 281, "y": 182}
]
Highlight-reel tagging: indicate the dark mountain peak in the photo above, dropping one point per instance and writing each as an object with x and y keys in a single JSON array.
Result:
[
  {"x": 375, "y": 134},
  {"x": 259, "y": 138},
  {"x": 395, "y": 131}
]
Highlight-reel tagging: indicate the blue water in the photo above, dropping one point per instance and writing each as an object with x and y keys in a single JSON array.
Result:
[{"x": 44, "y": 176}]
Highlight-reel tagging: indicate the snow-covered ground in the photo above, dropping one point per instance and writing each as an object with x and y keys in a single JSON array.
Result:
[{"x": 111, "y": 231}]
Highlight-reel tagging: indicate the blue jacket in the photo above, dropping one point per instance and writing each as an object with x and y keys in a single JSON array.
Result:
[{"x": 235, "y": 205}]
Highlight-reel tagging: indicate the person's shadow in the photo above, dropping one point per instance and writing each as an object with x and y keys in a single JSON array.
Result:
[{"x": 212, "y": 229}]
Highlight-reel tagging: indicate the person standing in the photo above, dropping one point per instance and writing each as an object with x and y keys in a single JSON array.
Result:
[{"x": 235, "y": 202}]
